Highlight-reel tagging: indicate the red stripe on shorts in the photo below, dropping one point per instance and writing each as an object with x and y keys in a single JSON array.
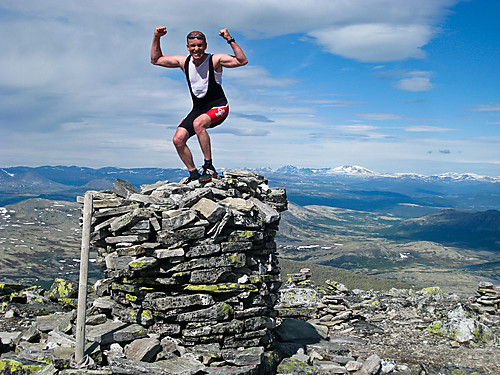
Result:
[{"x": 218, "y": 113}]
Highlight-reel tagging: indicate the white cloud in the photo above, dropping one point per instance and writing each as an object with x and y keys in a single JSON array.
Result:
[
  {"x": 415, "y": 84},
  {"x": 257, "y": 76},
  {"x": 356, "y": 128},
  {"x": 379, "y": 116},
  {"x": 495, "y": 107},
  {"x": 375, "y": 42},
  {"x": 428, "y": 129}
]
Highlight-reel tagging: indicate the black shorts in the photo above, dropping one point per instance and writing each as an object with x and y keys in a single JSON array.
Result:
[{"x": 216, "y": 114}]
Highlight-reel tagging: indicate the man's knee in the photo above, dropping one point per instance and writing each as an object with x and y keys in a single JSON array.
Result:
[
  {"x": 178, "y": 141},
  {"x": 201, "y": 124}
]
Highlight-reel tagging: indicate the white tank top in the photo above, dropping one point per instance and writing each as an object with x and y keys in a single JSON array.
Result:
[{"x": 198, "y": 76}]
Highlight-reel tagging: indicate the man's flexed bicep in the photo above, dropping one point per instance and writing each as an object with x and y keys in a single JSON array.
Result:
[
  {"x": 157, "y": 57},
  {"x": 230, "y": 61}
]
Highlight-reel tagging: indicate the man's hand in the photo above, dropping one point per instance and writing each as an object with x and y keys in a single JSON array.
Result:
[
  {"x": 225, "y": 34},
  {"x": 160, "y": 31}
]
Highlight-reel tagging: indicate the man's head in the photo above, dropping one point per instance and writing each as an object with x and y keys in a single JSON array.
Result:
[
  {"x": 196, "y": 45},
  {"x": 196, "y": 35}
]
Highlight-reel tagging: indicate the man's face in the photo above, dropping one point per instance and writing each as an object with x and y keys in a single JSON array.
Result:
[{"x": 196, "y": 48}]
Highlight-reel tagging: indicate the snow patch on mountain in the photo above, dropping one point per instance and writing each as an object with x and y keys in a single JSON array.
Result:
[{"x": 361, "y": 172}]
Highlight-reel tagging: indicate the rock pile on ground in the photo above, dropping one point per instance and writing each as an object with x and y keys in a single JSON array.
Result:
[
  {"x": 333, "y": 330},
  {"x": 398, "y": 331},
  {"x": 192, "y": 287},
  {"x": 196, "y": 264}
]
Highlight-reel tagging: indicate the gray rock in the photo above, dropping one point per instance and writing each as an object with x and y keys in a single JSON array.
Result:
[
  {"x": 181, "y": 235},
  {"x": 143, "y": 349},
  {"x": 129, "y": 367},
  {"x": 244, "y": 356},
  {"x": 328, "y": 350},
  {"x": 211, "y": 276},
  {"x": 96, "y": 319},
  {"x": 267, "y": 213},
  {"x": 56, "y": 339},
  {"x": 181, "y": 366},
  {"x": 175, "y": 219},
  {"x": 303, "y": 297},
  {"x": 167, "y": 303},
  {"x": 8, "y": 338},
  {"x": 123, "y": 188},
  {"x": 169, "y": 253},
  {"x": 235, "y": 260},
  {"x": 209, "y": 210},
  {"x": 232, "y": 370},
  {"x": 104, "y": 302},
  {"x": 352, "y": 366},
  {"x": 46, "y": 323},
  {"x": 203, "y": 250},
  {"x": 115, "y": 211},
  {"x": 371, "y": 366},
  {"x": 32, "y": 334},
  {"x": 130, "y": 218},
  {"x": 387, "y": 366},
  {"x": 149, "y": 188},
  {"x": 151, "y": 200},
  {"x": 46, "y": 370},
  {"x": 290, "y": 366},
  {"x": 219, "y": 312},
  {"x": 110, "y": 332},
  {"x": 101, "y": 371},
  {"x": 327, "y": 367},
  {"x": 142, "y": 263},
  {"x": 191, "y": 197},
  {"x": 127, "y": 239},
  {"x": 238, "y": 204},
  {"x": 208, "y": 352}
]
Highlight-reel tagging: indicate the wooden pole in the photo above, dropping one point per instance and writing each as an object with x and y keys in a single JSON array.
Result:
[{"x": 82, "y": 287}]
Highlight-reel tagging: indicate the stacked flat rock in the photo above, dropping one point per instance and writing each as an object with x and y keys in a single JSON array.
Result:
[
  {"x": 196, "y": 263},
  {"x": 487, "y": 299}
]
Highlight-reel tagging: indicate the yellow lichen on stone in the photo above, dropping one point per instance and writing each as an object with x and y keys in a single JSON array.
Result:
[
  {"x": 146, "y": 314},
  {"x": 432, "y": 290},
  {"x": 9, "y": 366},
  {"x": 221, "y": 288},
  {"x": 137, "y": 264},
  {"x": 131, "y": 297}
]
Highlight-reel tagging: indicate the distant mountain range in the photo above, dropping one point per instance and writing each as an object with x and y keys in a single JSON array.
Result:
[
  {"x": 351, "y": 187},
  {"x": 361, "y": 172}
]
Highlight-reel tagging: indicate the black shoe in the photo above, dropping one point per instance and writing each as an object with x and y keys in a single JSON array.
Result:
[
  {"x": 193, "y": 176},
  {"x": 209, "y": 172}
]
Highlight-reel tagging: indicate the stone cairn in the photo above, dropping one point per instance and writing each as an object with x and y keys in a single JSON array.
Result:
[
  {"x": 190, "y": 263},
  {"x": 487, "y": 299}
]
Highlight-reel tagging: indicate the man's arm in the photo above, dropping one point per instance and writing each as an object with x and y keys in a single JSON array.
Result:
[
  {"x": 157, "y": 57},
  {"x": 229, "y": 61}
]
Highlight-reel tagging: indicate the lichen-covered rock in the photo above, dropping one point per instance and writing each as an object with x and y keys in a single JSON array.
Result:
[{"x": 62, "y": 289}]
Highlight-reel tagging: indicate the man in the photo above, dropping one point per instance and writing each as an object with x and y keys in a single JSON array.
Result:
[{"x": 204, "y": 77}]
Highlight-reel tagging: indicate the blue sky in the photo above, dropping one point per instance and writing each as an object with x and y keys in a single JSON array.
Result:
[{"x": 390, "y": 85}]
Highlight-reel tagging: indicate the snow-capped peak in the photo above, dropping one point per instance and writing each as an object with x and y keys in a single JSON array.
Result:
[{"x": 351, "y": 170}]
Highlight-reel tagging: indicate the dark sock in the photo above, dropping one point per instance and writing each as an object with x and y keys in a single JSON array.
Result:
[
  {"x": 208, "y": 163},
  {"x": 194, "y": 173}
]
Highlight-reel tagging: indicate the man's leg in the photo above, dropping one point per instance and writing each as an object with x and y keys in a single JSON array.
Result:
[
  {"x": 201, "y": 124},
  {"x": 180, "y": 139}
]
